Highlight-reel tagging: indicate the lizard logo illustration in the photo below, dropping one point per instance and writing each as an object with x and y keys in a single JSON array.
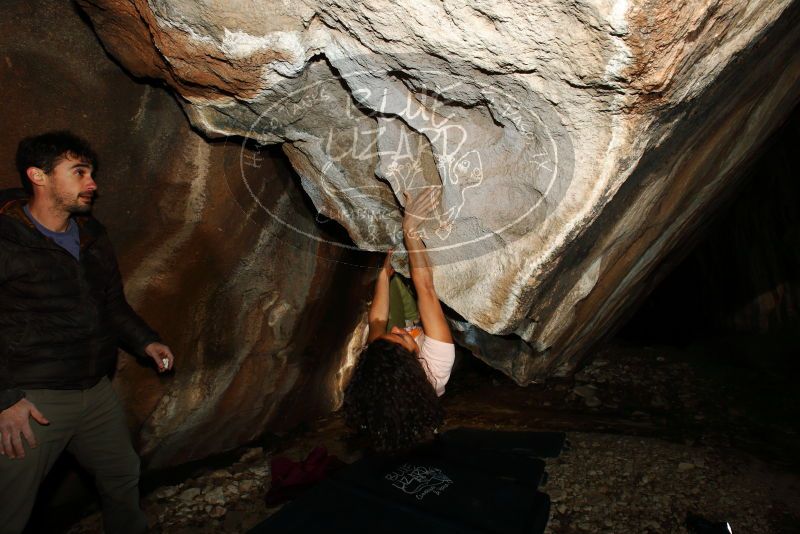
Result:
[
  {"x": 458, "y": 172},
  {"x": 418, "y": 480},
  {"x": 361, "y": 139}
]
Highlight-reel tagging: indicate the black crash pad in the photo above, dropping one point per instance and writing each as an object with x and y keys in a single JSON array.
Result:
[
  {"x": 448, "y": 486},
  {"x": 535, "y": 444}
]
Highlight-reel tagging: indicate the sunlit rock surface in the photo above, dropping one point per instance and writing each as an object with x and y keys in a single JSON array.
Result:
[
  {"x": 574, "y": 144},
  {"x": 252, "y": 314}
]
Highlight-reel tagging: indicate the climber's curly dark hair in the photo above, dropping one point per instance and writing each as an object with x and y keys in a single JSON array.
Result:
[{"x": 389, "y": 400}]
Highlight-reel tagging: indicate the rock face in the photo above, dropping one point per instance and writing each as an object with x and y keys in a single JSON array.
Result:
[
  {"x": 742, "y": 276},
  {"x": 251, "y": 313},
  {"x": 574, "y": 144}
]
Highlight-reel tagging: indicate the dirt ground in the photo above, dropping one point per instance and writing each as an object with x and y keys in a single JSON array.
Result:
[{"x": 653, "y": 434}]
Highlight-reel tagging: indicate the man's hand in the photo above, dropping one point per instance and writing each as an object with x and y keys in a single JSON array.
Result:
[
  {"x": 14, "y": 423},
  {"x": 161, "y": 355}
]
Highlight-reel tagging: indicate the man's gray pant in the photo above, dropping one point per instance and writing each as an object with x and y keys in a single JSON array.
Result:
[{"x": 90, "y": 424}]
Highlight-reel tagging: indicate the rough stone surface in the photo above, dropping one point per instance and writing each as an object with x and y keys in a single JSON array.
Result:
[
  {"x": 265, "y": 319},
  {"x": 742, "y": 275},
  {"x": 235, "y": 295},
  {"x": 619, "y": 472},
  {"x": 574, "y": 144},
  {"x": 595, "y": 488},
  {"x": 602, "y": 483}
]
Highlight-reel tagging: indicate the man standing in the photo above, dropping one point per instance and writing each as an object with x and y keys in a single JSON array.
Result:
[{"x": 62, "y": 315}]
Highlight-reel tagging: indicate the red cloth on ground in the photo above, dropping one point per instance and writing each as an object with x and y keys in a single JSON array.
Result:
[{"x": 290, "y": 478}]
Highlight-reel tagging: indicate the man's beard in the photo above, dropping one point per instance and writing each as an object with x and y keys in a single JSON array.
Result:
[
  {"x": 79, "y": 209},
  {"x": 74, "y": 207}
]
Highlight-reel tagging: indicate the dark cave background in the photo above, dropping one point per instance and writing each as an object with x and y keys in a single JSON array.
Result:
[
  {"x": 730, "y": 303},
  {"x": 739, "y": 284}
]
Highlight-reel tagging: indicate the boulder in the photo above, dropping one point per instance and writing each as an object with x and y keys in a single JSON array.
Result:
[
  {"x": 573, "y": 145},
  {"x": 261, "y": 328}
]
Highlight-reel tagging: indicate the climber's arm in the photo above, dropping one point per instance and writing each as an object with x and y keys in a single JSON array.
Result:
[
  {"x": 379, "y": 309},
  {"x": 430, "y": 309}
]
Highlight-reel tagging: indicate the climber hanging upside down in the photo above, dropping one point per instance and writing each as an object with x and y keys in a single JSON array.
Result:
[{"x": 392, "y": 398}]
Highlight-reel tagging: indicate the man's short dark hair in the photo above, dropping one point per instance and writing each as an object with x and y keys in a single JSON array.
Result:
[{"x": 47, "y": 150}]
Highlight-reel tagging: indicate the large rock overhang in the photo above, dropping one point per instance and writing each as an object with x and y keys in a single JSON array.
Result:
[{"x": 575, "y": 144}]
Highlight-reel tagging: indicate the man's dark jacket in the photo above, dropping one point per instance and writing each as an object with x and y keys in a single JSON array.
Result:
[{"x": 61, "y": 319}]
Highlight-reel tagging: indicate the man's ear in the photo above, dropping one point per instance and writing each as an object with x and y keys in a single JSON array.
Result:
[{"x": 37, "y": 176}]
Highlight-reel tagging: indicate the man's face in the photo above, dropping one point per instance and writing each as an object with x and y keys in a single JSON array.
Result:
[
  {"x": 71, "y": 187},
  {"x": 402, "y": 338}
]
